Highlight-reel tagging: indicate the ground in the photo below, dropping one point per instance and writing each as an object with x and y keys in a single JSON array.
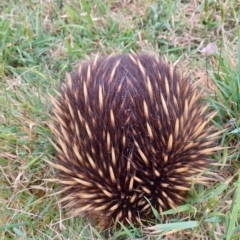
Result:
[{"x": 41, "y": 40}]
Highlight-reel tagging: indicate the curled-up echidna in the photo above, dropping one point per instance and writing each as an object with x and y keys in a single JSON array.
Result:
[{"x": 130, "y": 132}]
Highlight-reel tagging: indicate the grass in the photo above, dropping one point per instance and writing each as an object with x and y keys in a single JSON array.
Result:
[{"x": 41, "y": 40}]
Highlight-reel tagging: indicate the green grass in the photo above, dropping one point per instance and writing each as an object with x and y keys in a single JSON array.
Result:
[{"x": 39, "y": 42}]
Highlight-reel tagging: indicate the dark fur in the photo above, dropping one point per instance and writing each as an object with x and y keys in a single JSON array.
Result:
[{"x": 161, "y": 188}]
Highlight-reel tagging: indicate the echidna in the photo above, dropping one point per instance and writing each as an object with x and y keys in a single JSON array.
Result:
[{"x": 130, "y": 132}]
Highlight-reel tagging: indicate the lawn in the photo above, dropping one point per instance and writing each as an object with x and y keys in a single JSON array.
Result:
[{"x": 42, "y": 40}]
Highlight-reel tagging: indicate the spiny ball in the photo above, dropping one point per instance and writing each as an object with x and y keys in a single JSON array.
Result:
[{"x": 130, "y": 133}]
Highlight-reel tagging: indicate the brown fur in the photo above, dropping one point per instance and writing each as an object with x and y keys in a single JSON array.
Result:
[{"x": 127, "y": 128}]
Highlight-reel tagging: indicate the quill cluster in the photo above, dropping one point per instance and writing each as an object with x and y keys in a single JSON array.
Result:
[{"x": 129, "y": 132}]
